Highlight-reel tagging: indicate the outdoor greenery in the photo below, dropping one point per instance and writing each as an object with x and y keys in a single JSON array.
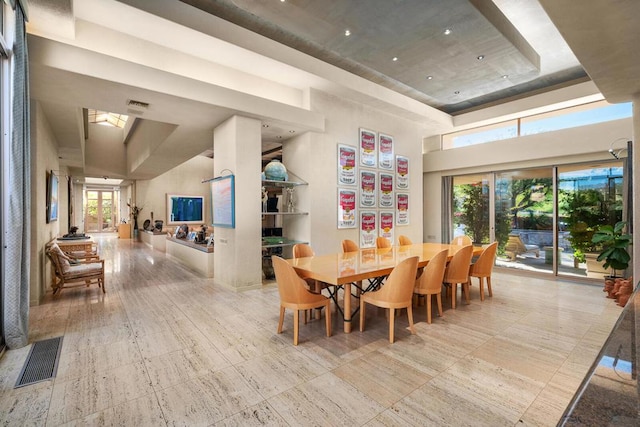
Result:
[{"x": 588, "y": 209}]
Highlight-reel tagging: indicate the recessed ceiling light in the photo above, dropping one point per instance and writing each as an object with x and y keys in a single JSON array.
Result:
[
  {"x": 279, "y": 136},
  {"x": 347, "y": 33},
  {"x": 447, "y": 31},
  {"x": 480, "y": 57},
  {"x": 505, "y": 76},
  {"x": 457, "y": 92},
  {"x": 264, "y": 125},
  {"x": 292, "y": 131},
  {"x": 395, "y": 58},
  {"x": 429, "y": 77}
]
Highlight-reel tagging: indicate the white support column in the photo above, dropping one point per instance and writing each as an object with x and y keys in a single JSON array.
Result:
[{"x": 238, "y": 252}]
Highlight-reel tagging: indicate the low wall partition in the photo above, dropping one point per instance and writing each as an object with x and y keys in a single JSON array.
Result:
[{"x": 198, "y": 257}]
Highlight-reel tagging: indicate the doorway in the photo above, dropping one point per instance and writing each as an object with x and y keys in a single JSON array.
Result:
[{"x": 100, "y": 211}]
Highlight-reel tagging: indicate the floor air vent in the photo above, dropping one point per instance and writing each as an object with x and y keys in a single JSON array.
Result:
[{"x": 42, "y": 362}]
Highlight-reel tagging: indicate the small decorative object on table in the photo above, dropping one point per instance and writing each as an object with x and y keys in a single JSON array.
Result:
[
  {"x": 276, "y": 171},
  {"x": 290, "y": 199}
]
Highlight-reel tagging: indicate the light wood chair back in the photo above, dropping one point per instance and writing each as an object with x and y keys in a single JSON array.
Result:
[
  {"x": 430, "y": 282},
  {"x": 302, "y": 250},
  {"x": 404, "y": 241},
  {"x": 383, "y": 242},
  {"x": 462, "y": 240},
  {"x": 457, "y": 272},
  {"x": 396, "y": 293},
  {"x": 295, "y": 296},
  {"x": 483, "y": 267},
  {"x": 349, "y": 246}
]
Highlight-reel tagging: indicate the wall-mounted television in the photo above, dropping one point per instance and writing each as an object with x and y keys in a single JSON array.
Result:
[{"x": 183, "y": 209}]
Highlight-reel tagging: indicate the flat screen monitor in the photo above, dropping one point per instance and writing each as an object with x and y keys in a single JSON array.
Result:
[{"x": 183, "y": 209}]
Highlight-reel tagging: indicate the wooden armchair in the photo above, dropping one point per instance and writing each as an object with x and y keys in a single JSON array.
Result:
[
  {"x": 63, "y": 272},
  {"x": 515, "y": 246}
]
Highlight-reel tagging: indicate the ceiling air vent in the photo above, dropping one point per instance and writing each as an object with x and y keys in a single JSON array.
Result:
[{"x": 136, "y": 107}]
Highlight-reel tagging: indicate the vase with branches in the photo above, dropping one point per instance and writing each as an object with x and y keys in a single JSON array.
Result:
[{"x": 135, "y": 211}]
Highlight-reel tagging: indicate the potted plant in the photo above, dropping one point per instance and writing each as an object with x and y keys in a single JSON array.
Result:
[{"x": 615, "y": 243}]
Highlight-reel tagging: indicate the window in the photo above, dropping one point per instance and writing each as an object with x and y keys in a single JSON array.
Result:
[
  {"x": 581, "y": 115},
  {"x": 107, "y": 119}
]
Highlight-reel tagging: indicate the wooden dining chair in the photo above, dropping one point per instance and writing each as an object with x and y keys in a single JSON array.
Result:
[
  {"x": 462, "y": 240},
  {"x": 383, "y": 242},
  {"x": 295, "y": 296},
  {"x": 457, "y": 272},
  {"x": 483, "y": 267},
  {"x": 349, "y": 246},
  {"x": 302, "y": 250},
  {"x": 404, "y": 241},
  {"x": 395, "y": 294},
  {"x": 430, "y": 282}
]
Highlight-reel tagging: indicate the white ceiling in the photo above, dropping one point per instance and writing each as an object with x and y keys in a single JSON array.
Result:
[{"x": 196, "y": 69}]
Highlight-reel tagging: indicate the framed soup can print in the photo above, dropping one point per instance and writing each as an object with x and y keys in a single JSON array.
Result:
[
  {"x": 385, "y": 193},
  {"x": 347, "y": 208},
  {"x": 368, "y": 229},
  {"x": 402, "y": 172},
  {"x": 387, "y": 225},
  {"x": 368, "y": 148},
  {"x": 346, "y": 165},
  {"x": 385, "y": 151},
  {"x": 368, "y": 189},
  {"x": 402, "y": 209}
]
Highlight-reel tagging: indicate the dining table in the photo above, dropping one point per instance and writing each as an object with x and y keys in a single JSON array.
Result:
[{"x": 342, "y": 270}]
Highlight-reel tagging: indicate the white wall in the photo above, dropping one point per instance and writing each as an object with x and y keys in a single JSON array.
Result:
[
  {"x": 313, "y": 157},
  {"x": 44, "y": 157},
  {"x": 185, "y": 179},
  {"x": 577, "y": 145},
  {"x": 105, "y": 152}
]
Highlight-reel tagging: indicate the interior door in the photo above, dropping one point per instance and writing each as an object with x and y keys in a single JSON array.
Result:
[{"x": 100, "y": 211}]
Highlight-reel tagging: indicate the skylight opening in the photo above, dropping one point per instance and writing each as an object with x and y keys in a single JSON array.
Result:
[{"x": 107, "y": 119}]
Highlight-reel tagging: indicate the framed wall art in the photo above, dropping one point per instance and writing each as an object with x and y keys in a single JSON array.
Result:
[
  {"x": 385, "y": 151},
  {"x": 367, "y": 143},
  {"x": 347, "y": 212},
  {"x": 385, "y": 190},
  {"x": 52, "y": 197},
  {"x": 368, "y": 179},
  {"x": 386, "y": 228},
  {"x": 402, "y": 209},
  {"x": 368, "y": 229},
  {"x": 402, "y": 173},
  {"x": 346, "y": 165}
]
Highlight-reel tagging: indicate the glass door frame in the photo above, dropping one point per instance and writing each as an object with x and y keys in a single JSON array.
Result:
[{"x": 100, "y": 211}]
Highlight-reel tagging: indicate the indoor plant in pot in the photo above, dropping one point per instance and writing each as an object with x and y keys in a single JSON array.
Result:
[{"x": 615, "y": 253}]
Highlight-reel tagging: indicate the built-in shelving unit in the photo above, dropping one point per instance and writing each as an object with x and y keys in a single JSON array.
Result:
[{"x": 279, "y": 245}]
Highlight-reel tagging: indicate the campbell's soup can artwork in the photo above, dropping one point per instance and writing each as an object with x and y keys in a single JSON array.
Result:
[
  {"x": 385, "y": 157},
  {"x": 386, "y": 190},
  {"x": 402, "y": 207},
  {"x": 347, "y": 166},
  {"x": 367, "y": 148},
  {"x": 347, "y": 209},
  {"x": 368, "y": 189},
  {"x": 402, "y": 172},
  {"x": 368, "y": 229},
  {"x": 386, "y": 225}
]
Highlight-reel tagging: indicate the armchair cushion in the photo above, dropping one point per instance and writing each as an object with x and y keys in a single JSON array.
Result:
[{"x": 63, "y": 260}]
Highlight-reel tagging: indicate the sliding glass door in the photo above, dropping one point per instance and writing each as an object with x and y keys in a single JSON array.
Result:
[
  {"x": 544, "y": 218},
  {"x": 587, "y": 198},
  {"x": 470, "y": 207},
  {"x": 525, "y": 218}
]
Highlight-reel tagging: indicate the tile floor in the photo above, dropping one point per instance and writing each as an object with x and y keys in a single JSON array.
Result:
[{"x": 164, "y": 346}]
